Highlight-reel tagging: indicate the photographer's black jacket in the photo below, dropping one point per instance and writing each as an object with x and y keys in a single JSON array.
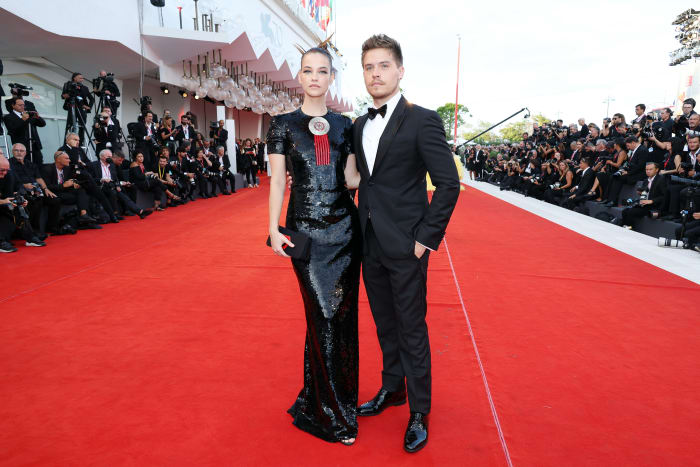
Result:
[
  {"x": 95, "y": 168},
  {"x": 637, "y": 162},
  {"x": 25, "y": 172},
  {"x": 8, "y": 185},
  {"x": 75, "y": 154},
  {"x": 107, "y": 134},
  {"x": 658, "y": 192},
  {"x": 83, "y": 97},
  {"x": 18, "y": 129},
  {"x": 50, "y": 176}
]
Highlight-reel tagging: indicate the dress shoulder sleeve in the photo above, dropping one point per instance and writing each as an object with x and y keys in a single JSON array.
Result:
[
  {"x": 348, "y": 146},
  {"x": 277, "y": 136}
]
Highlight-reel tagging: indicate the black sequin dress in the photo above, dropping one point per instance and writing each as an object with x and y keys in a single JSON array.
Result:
[{"x": 320, "y": 206}]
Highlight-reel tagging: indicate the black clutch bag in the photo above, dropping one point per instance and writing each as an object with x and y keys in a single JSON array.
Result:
[{"x": 302, "y": 244}]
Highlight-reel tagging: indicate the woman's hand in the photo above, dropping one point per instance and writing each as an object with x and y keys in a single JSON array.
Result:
[{"x": 278, "y": 242}]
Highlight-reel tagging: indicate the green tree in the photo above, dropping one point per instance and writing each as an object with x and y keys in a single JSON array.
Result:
[
  {"x": 540, "y": 119},
  {"x": 513, "y": 132},
  {"x": 447, "y": 114},
  {"x": 486, "y": 138},
  {"x": 361, "y": 105}
]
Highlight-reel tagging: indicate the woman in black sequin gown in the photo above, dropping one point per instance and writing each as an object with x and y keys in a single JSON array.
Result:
[{"x": 321, "y": 207}]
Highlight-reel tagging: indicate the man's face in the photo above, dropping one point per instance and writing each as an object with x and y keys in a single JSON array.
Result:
[
  {"x": 615, "y": 120},
  {"x": 73, "y": 141},
  {"x": 581, "y": 122},
  {"x": 651, "y": 170},
  {"x": 103, "y": 74},
  {"x": 220, "y": 152},
  {"x": 107, "y": 111},
  {"x": 162, "y": 162},
  {"x": 665, "y": 115},
  {"x": 104, "y": 155},
  {"x": 631, "y": 146},
  {"x": 19, "y": 152},
  {"x": 694, "y": 121},
  {"x": 221, "y": 123},
  {"x": 19, "y": 106},
  {"x": 148, "y": 118},
  {"x": 184, "y": 121},
  {"x": 693, "y": 143},
  {"x": 594, "y": 132},
  {"x": 600, "y": 147},
  {"x": 687, "y": 108},
  {"x": 63, "y": 160},
  {"x": 381, "y": 72},
  {"x": 4, "y": 166},
  {"x": 206, "y": 143},
  {"x": 78, "y": 79},
  {"x": 639, "y": 111},
  {"x": 117, "y": 160}
]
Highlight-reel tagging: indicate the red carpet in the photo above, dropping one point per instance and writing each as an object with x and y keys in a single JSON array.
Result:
[{"x": 178, "y": 340}]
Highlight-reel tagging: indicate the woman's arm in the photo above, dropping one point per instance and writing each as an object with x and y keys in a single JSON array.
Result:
[
  {"x": 676, "y": 163},
  {"x": 569, "y": 179},
  {"x": 277, "y": 186},
  {"x": 352, "y": 175}
]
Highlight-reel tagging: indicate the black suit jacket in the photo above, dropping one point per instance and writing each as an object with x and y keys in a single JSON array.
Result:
[
  {"x": 107, "y": 134},
  {"x": 658, "y": 191},
  {"x": 140, "y": 133},
  {"x": 394, "y": 196},
  {"x": 95, "y": 169},
  {"x": 215, "y": 162},
  {"x": 75, "y": 154},
  {"x": 18, "y": 129},
  {"x": 586, "y": 182},
  {"x": 637, "y": 163},
  {"x": 50, "y": 177}
]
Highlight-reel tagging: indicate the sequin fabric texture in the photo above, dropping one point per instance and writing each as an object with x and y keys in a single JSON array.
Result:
[{"x": 321, "y": 207}]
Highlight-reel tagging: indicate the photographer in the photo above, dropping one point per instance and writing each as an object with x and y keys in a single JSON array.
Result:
[
  {"x": 105, "y": 172},
  {"x": 13, "y": 214},
  {"x": 630, "y": 173},
  {"x": 107, "y": 91},
  {"x": 168, "y": 134},
  {"x": 640, "y": 116},
  {"x": 145, "y": 135},
  {"x": 184, "y": 173},
  {"x": 146, "y": 180},
  {"x": 659, "y": 141},
  {"x": 29, "y": 176},
  {"x": 655, "y": 199},
  {"x": 185, "y": 133},
  {"x": 202, "y": 174},
  {"x": 60, "y": 178},
  {"x": 221, "y": 165},
  {"x": 220, "y": 135},
  {"x": 170, "y": 186},
  {"x": 22, "y": 127},
  {"x": 107, "y": 131},
  {"x": 688, "y": 163},
  {"x": 78, "y": 102},
  {"x": 80, "y": 166},
  {"x": 578, "y": 194}
]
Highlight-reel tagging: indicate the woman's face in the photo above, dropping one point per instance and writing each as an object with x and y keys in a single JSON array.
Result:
[
  {"x": 562, "y": 166},
  {"x": 315, "y": 75},
  {"x": 139, "y": 158}
]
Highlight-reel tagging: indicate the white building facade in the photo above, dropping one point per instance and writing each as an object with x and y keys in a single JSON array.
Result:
[{"x": 149, "y": 47}]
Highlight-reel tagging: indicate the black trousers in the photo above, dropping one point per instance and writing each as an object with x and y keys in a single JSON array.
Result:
[
  {"x": 7, "y": 227},
  {"x": 396, "y": 289},
  {"x": 692, "y": 231},
  {"x": 629, "y": 215},
  {"x": 616, "y": 186},
  {"x": 78, "y": 197}
]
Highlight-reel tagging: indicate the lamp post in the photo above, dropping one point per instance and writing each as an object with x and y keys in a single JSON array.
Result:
[
  {"x": 608, "y": 101},
  {"x": 454, "y": 135}
]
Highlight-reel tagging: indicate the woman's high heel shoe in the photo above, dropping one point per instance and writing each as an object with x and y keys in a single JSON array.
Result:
[{"x": 348, "y": 441}]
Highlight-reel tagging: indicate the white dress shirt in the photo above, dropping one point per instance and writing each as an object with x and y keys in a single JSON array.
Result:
[{"x": 372, "y": 132}]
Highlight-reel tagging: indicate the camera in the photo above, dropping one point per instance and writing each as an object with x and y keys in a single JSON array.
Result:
[
  {"x": 20, "y": 89},
  {"x": 672, "y": 243}
]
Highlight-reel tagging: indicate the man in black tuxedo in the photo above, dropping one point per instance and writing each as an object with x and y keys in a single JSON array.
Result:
[
  {"x": 656, "y": 187},
  {"x": 22, "y": 127},
  {"x": 222, "y": 164},
  {"x": 76, "y": 154},
  {"x": 78, "y": 101},
  {"x": 579, "y": 192},
  {"x": 397, "y": 143},
  {"x": 61, "y": 179},
  {"x": 220, "y": 135},
  {"x": 634, "y": 171},
  {"x": 107, "y": 131},
  {"x": 640, "y": 115},
  {"x": 145, "y": 137},
  {"x": 185, "y": 133}
]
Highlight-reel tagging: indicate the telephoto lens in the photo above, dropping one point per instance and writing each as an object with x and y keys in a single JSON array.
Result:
[{"x": 671, "y": 243}]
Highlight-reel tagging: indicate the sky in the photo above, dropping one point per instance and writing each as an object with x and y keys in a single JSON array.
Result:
[{"x": 560, "y": 59}]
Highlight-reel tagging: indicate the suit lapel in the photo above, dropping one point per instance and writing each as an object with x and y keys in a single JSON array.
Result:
[
  {"x": 359, "y": 150},
  {"x": 390, "y": 131}
]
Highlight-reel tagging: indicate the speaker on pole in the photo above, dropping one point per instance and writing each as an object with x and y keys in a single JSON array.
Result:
[{"x": 158, "y": 3}]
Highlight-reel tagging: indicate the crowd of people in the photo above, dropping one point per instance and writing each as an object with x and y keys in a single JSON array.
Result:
[
  {"x": 173, "y": 163},
  {"x": 569, "y": 165}
]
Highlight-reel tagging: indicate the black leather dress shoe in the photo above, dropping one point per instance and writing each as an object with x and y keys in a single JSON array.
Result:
[
  {"x": 417, "y": 432},
  {"x": 381, "y": 401}
]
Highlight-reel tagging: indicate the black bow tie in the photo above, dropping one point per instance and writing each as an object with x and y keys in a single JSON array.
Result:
[{"x": 372, "y": 112}]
